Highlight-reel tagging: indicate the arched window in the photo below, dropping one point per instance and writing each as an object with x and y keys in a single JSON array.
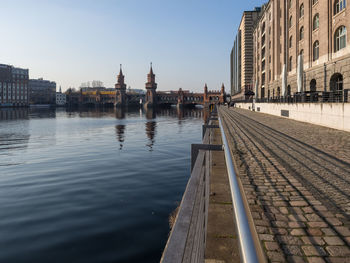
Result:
[
  {"x": 336, "y": 82},
  {"x": 290, "y": 41},
  {"x": 316, "y": 22},
  {"x": 290, "y": 3},
  {"x": 290, "y": 63},
  {"x": 290, "y": 21},
  {"x": 340, "y": 38},
  {"x": 313, "y": 85},
  {"x": 314, "y": 1},
  {"x": 289, "y": 90},
  {"x": 339, "y": 5},
  {"x": 301, "y": 33},
  {"x": 315, "y": 50},
  {"x": 302, "y": 54},
  {"x": 301, "y": 10}
]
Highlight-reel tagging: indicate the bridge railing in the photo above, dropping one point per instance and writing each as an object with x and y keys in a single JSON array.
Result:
[{"x": 187, "y": 239}]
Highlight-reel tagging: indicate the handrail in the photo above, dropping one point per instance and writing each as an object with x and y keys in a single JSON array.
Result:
[{"x": 248, "y": 249}]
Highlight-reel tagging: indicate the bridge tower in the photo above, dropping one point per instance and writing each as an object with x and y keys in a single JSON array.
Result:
[
  {"x": 120, "y": 87},
  {"x": 205, "y": 96},
  {"x": 151, "y": 86},
  {"x": 222, "y": 94}
]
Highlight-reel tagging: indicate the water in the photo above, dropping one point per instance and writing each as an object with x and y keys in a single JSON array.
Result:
[{"x": 93, "y": 185}]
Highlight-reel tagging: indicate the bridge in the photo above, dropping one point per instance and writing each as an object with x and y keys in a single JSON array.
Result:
[{"x": 152, "y": 98}]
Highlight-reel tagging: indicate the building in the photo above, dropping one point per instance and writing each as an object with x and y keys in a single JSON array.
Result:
[
  {"x": 61, "y": 98},
  {"x": 242, "y": 56},
  {"x": 301, "y": 47},
  {"x": 13, "y": 86},
  {"x": 42, "y": 91}
]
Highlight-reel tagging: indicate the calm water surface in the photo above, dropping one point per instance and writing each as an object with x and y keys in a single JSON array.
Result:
[{"x": 93, "y": 185}]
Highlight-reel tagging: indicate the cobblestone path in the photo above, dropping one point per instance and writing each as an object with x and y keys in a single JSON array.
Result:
[{"x": 296, "y": 177}]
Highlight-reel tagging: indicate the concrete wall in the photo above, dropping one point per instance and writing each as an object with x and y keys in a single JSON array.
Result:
[{"x": 333, "y": 115}]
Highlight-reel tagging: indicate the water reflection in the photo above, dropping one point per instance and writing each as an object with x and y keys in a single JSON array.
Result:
[
  {"x": 151, "y": 133},
  {"x": 120, "y": 113},
  {"x": 120, "y": 130},
  {"x": 13, "y": 114},
  {"x": 14, "y": 136}
]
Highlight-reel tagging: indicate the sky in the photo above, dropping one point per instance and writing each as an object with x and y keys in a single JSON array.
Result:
[{"x": 71, "y": 42}]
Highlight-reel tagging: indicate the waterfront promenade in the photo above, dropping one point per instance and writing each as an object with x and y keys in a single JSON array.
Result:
[{"x": 296, "y": 178}]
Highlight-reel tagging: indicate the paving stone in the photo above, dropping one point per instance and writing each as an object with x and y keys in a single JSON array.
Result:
[
  {"x": 266, "y": 237},
  {"x": 340, "y": 251},
  {"x": 333, "y": 241},
  {"x": 314, "y": 251},
  {"x": 298, "y": 232},
  {"x": 315, "y": 260},
  {"x": 289, "y": 240},
  {"x": 271, "y": 245},
  {"x": 275, "y": 256},
  {"x": 317, "y": 224},
  {"x": 313, "y": 240},
  {"x": 292, "y": 250},
  {"x": 298, "y": 203}
]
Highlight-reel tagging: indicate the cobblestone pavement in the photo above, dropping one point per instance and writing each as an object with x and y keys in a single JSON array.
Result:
[{"x": 296, "y": 177}]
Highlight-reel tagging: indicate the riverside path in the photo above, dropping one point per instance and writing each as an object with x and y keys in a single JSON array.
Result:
[{"x": 296, "y": 178}]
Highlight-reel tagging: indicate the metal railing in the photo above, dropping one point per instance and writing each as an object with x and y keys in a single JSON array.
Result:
[
  {"x": 337, "y": 96},
  {"x": 246, "y": 242}
]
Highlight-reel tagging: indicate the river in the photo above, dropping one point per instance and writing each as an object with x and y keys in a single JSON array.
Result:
[{"x": 91, "y": 185}]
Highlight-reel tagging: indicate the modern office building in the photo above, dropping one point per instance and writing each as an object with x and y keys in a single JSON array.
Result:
[
  {"x": 301, "y": 46},
  {"x": 42, "y": 91},
  {"x": 13, "y": 86},
  {"x": 242, "y": 55}
]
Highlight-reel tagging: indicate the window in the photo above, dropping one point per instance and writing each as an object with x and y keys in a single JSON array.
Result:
[
  {"x": 290, "y": 63},
  {"x": 315, "y": 50},
  {"x": 316, "y": 22},
  {"x": 314, "y": 1},
  {"x": 301, "y": 10},
  {"x": 290, "y": 21},
  {"x": 301, "y": 33},
  {"x": 290, "y": 41},
  {"x": 290, "y": 3},
  {"x": 302, "y": 53},
  {"x": 339, "y": 5},
  {"x": 340, "y": 38}
]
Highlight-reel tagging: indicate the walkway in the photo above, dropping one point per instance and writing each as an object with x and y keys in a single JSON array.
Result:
[{"x": 296, "y": 177}]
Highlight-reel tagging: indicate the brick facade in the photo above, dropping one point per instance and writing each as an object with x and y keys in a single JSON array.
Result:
[
  {"x": 13, "y": 86},
  {"x": 287, "y": 29}
]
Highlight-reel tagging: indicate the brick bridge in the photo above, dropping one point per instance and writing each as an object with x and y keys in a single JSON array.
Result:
[{"x": 120, "y": 97}]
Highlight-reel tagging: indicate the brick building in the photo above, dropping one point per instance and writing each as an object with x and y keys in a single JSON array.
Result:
[
  {"x": 13, "y": 86},
  {"x": 42, "y": 91},
  {"x": 305, "y": 39},
  {"x": 242, "y": 55}
]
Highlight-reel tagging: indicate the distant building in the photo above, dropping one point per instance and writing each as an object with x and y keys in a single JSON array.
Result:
[
  {"x": 42, "y": 91},
  {"x": 135, "y": 91},
  {"x": 61, "y": 98},
  {"x": 242, "y": 55},
  {"x": 13, "y": 86}
]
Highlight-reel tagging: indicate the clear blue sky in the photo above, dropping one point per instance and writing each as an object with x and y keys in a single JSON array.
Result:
[{"x": 70, "y": 42}]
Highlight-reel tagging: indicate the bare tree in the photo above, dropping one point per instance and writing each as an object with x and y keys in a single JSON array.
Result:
[{"x": 97, "y": 83}]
